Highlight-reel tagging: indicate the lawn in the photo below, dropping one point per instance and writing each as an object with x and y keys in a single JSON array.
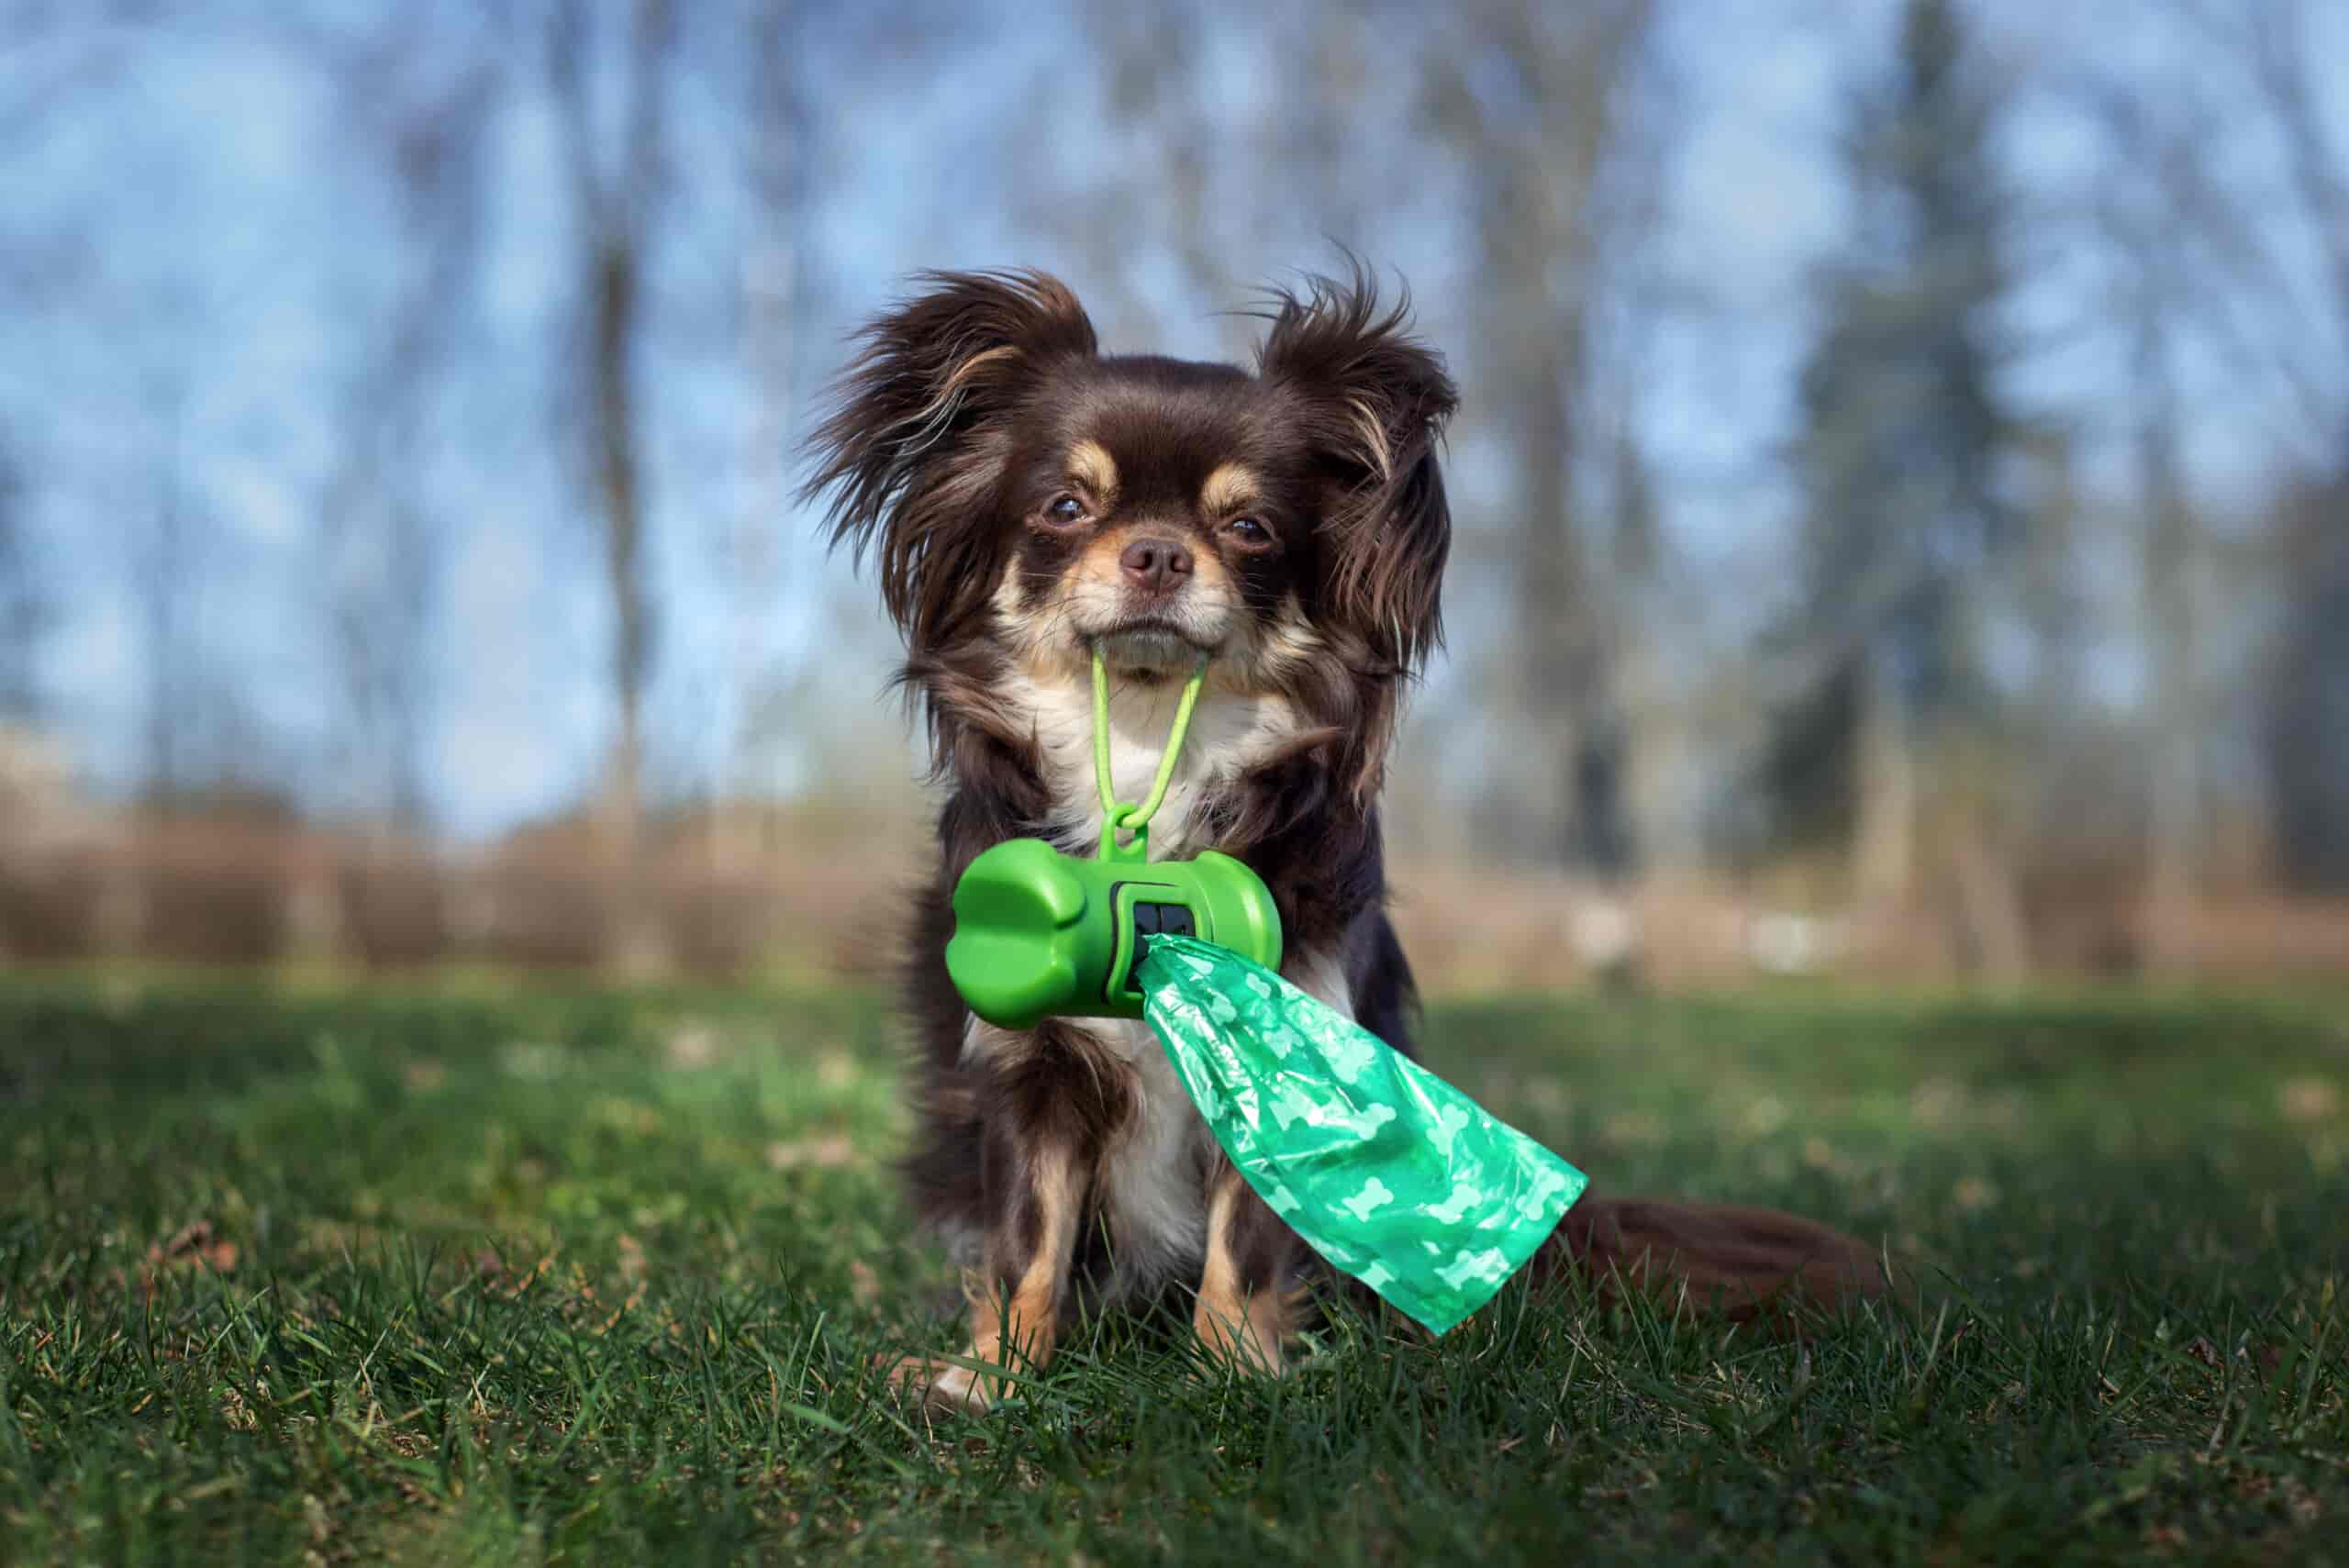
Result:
[{"x": 455, "y": 1273}]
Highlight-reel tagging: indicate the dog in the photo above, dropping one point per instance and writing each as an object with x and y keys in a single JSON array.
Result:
[{"x": 1028, "y": 499}]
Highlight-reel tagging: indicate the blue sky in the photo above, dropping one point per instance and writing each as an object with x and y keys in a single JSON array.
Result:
[{"x": 225, "y": 233}]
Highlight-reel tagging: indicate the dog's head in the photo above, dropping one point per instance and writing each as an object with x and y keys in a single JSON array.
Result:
[
  {"x": 1028, "y": 496},
  {"x": 1006, "y": 472}
]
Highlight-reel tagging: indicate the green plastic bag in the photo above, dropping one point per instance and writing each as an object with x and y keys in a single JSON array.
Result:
[{"x": 1388, "y": 1171}]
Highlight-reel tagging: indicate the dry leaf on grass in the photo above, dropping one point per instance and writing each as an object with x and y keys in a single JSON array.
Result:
[
  {"x": 193, "y": 1245},
  {"x": 831, "y": 1150},
  {"x": 696, "y": 1045},
  {"x": 2309, "y": 1099}
]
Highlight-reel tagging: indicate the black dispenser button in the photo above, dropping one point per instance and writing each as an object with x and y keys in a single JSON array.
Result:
[{"x": 1164, "y": 919}]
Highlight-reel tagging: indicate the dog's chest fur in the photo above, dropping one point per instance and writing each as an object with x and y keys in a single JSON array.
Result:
[
  {"x": 1151, "y": 1189},
  {"x": 1230, "y": 733}
]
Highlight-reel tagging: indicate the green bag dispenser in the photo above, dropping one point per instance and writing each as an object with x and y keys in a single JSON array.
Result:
[{"x": 1041, "y": 934}]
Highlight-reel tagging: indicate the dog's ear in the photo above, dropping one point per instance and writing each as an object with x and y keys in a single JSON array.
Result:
[
  {"x": 912, "y": 451},
  {"x": 1375, "y": 401}
]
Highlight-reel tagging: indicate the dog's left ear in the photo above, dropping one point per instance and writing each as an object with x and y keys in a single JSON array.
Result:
[
  {"x": 912, "y": 451},
  {"x": 1376, "y": 400}
]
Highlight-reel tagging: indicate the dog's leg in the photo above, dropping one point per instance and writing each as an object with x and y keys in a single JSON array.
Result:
[
  {"x": 1246, "y": 1309},
  {"x": 1035, "y": 1195}
]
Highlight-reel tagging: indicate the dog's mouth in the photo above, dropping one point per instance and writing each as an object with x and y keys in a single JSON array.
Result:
[{"x": 1151, "y": 645}]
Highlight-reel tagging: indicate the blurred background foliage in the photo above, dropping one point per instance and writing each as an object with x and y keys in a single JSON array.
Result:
[{"x": 1901, "y": 488}]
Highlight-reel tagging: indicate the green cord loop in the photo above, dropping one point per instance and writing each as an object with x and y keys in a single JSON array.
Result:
[{"x": 1116, "y": 816}]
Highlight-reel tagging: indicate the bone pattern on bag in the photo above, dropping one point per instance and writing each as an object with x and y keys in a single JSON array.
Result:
[{"x": 1392, "y": 1174}]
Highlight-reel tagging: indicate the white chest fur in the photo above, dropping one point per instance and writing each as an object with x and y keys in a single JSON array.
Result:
[
  {"x": 1230, "y": 733},
  {"x": 1153, "y": 1192}
]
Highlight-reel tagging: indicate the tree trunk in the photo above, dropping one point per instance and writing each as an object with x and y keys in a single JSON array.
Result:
[
  {"x": 2174, "y": 837},
  {"x": 162, "y": 585},
  {"x": 636, "y": 945},
  {"x": 1994, "y": 936},
  {"x": 1884, "y": 826},
  {"x": 1542, "y": 238},
  {"x": 617, "y": 214},
  {"x": 1552, "y": 596},
  {"x": 770, "y": 281}
]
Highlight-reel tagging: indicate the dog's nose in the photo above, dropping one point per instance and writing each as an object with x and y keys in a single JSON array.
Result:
[{"x": 1156, "y": 564}]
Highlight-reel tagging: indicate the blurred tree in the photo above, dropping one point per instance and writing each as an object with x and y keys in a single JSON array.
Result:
[
  {"x": 425, "y": 89},
  {"x": 1654, "y": 731},
  {"x": 1320, "y": 120},
  {"x": 1535, "y": 100},
  {"x": 1905, "y": 524},
  {"x": 2169, "y": 550},
  {"x": 2155, "y": 138},
  {"x": 2308, "y": 701},
  {"x": 777, "y": 128},
  {"x": 1225, "y": 191},
  {"x": 2305, "y": 723},
  {"x": 63, "y": 55},
  {"x": 1153, "y": 70},
  {"x": 2053, "y": 607},
  {"x": 164, "y": 581},
  {"x": 617, "y": 180},
  {"x": 24, "y": 604},
  {"x": 2260, "y": 269},
  {"x": 2078, "y": 791}
]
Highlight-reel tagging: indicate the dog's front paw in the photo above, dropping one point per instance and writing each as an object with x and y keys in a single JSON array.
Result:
[
  {"x": 945, "y": 1387},
  {"x": 1249, "y": 1343}
]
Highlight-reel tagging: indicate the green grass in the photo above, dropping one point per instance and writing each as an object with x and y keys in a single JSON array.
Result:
[{"x": 450, "y": 1275}]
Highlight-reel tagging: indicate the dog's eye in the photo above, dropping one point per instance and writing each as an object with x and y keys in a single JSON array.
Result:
[
  {"x": 1066, "y": 510},
  {"x": 1248, "y": 530}
]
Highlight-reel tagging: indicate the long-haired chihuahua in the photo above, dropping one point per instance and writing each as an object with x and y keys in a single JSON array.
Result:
[{"x": 1029, "y": 500}]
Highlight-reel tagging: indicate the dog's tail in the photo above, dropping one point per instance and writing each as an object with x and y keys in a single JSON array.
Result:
[{"x": 1739, "y": 1262}]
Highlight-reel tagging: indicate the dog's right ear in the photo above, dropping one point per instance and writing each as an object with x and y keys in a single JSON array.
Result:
[
  {"x": 916, "y": 439},
  {"x": 1374, "y": 401}
]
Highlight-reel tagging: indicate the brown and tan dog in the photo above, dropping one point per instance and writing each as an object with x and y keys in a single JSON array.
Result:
[{"x": 1029, "y": 499}]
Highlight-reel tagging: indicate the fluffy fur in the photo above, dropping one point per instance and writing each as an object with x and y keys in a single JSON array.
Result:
[{"x": 1026, "y": 497}]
